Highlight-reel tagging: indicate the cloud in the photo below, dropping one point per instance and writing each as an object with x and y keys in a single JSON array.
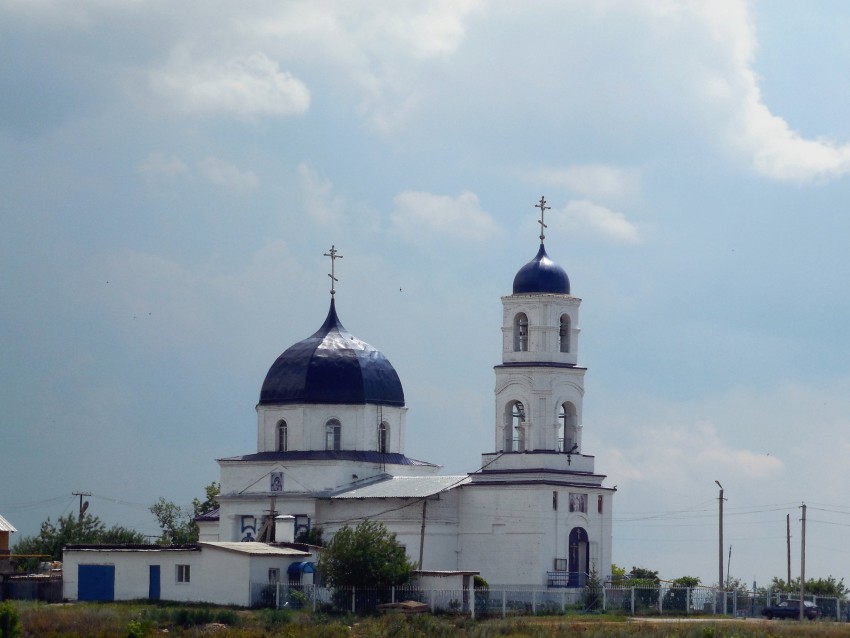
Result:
[
  {"x": 592, "y": 180},
  {"x": 417, "y": 214},
  {"x": 723, "y": 77},
  {"x": 161, "y": 165},
  {"x": 319, "y": 199},
  {"x": 247, "y": 86},
  {"x": 375, "y": 52},
  {"x": 664, "y": 451},
  {"x": 584, "y": 216},
  {"x": 227, "y": 175}
]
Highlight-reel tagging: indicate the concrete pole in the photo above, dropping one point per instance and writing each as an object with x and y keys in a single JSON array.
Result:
[
  {"x": 720, "y": 547},
  {"x": 803, "y": 564}
]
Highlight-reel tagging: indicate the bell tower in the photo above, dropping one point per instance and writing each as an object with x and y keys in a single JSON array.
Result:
[{"x": 539, "y": 385}]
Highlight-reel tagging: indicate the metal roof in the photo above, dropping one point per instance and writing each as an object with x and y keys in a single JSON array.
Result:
[
  {"x": 541, "y": 274},
  {"x": 365, "y": 456},
  {"x": 405, "y": 487},
  {"x": 332, "y": 366},
  {"x": 254, "y": 549},
  {"x": 6, "y": 526}
]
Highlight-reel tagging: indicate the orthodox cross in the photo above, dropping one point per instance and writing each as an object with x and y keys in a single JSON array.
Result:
[
  {"x": 333, "y": 253},
  {"x": 543, "y": 208}
]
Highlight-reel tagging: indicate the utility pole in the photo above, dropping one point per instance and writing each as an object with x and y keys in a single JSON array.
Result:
[
  {"x": 720, "y": 534},
  {"x": 803, "y": 563},
  {"x": 788, "y": 544},
  {"x": 422, "y": 533},
  {"x": 83, "y": 507}
]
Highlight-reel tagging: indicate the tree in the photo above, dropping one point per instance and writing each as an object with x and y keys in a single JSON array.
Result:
[
  {"x": 177, "y": 523},
  {"x": 72, "y": 530},
  {"x": 312, "y": 536},
  {"x": 815, "y": 586},
  {"x": 365, "y": 556},
  {"x": 618, "y": 575},
  {"x": 676, "y": 597},
  {"x": 645, "y": 582},
  {"x": 210, "y": 503}
]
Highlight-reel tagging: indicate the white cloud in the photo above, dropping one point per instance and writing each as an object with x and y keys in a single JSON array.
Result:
[
  {"x": 247, "y": 86},
  {"x": 593, "y": 180},
  {"x": 227, "y": 175},
  {"x": 666, "y": 450},
  {"x": 586, "y": 217},
  {"x": 161, "y": 165},
  {"x": 376, "y": 51},
  {"x": 723, "y": 77},
  {"x": 416, "y": 215},
  {"x": 319, "y": 199}
]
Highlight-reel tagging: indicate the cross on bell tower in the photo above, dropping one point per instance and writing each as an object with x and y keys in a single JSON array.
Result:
[
  {"x": 543, "y": 208},
  {"x": 333, "y": 253}
]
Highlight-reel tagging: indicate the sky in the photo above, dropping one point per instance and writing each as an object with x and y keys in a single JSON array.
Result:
[{"x": 171, "y": 175}]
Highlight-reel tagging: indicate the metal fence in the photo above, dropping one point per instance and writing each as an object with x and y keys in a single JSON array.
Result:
[
  {"x": 503, "y": 601},
  {"x": 47, "y": 590}
]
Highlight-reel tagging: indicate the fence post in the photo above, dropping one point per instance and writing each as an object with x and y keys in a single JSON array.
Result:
[
  {"x": 353, "y": 605},
  {"x": 534, "y": 602},
  {"x": 504, "y": 601},
  {"x": 472, "y": 602},
  {"x": 633, "y": 601},
  {"x": 315, "y": 596},
  {"x": 660, "y": 600},
  {"x": 735, "y": 603},
  {"x": 563, "y": 601},
  {"x": 687, "y": 601},
  {"x": 277, "y": 595},
  {"x": 604, "y": 598},
  {"x": 392, "y": 594},
  {"x": 432, "y": 599}
]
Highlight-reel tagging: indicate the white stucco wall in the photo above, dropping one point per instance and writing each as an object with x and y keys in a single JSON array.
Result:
[
  {"x": 306, "y": 426},
  {"x": 217, "y": 575}
]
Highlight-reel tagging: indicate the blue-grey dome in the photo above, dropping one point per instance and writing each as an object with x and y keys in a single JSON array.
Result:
[
  {"x": 332, "y": 366},
  {"x": 542, "y": 274}
]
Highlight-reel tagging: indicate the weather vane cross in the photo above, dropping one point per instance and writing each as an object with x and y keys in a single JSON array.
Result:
[
  {"x": 543, "y": 208},
  {"x": 334, "y": 255}
]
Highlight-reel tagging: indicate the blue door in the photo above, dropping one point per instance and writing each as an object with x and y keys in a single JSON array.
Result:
[
  {"x": 96, "y": 582},
  {"x": 153, "y": 584}
]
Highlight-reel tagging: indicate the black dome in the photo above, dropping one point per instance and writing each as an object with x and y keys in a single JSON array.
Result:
[
  {"x": 542, "y": 274},
  {"x": 332, "y": 366}
]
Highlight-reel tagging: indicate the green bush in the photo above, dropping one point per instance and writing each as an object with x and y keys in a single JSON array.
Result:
[
  {"x": 227, "y": 617},
  {"x": 10, "y": 621}
]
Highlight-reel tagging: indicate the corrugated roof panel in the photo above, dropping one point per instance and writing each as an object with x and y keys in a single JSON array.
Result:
[
  {"x": 406, "y": 487},
  {"x": 6, "y": 526},
  {"x": 255, "y": 549},
  {"x": 365, "y": 456}
]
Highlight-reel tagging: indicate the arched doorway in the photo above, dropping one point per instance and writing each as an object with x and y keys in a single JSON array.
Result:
[{"x": 579, "y": 557}]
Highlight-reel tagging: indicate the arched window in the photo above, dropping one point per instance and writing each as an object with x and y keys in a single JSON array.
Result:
[
  {"x": 564, "y": 333},
  {"x": 520, "y": 333},
  {"x": 282, "y": 436},
  {"x": 567, "y": 430},
  {"x": 333, "y": 435},
  {"x": 383, "y": 438},
  {"x": 515, "y": 427}
]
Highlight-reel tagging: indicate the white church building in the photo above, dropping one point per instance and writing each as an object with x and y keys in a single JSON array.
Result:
[{"x": 331, "y": 431}]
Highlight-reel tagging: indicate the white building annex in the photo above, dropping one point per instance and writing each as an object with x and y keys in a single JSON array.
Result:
[{"x": 331, "y": 426}]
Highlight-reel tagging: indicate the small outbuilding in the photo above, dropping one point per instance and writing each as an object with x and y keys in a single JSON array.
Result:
[{"x": 213, "y": 572}]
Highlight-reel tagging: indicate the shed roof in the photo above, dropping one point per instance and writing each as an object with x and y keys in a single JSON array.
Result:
[
  {"x": 255, "y": 549},
  {"x": 6, "y": 526}
]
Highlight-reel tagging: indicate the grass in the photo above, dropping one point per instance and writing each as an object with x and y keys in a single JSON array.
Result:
[{"x": 143, "y": 620}]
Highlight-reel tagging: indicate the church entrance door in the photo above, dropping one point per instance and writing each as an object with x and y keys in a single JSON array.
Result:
[{"x": 579, "y": 555}]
